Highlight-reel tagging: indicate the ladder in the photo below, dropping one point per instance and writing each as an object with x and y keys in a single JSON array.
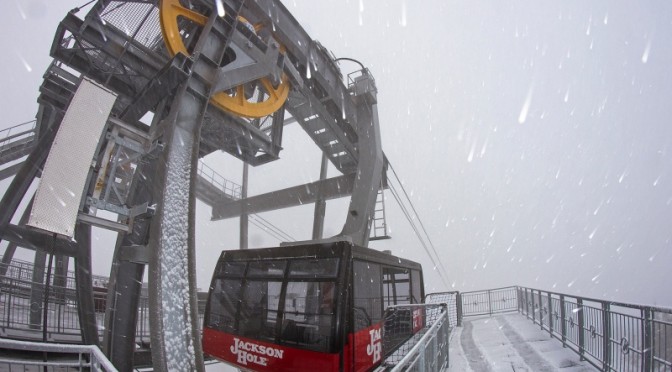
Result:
[{"x": 379, "y": 223}]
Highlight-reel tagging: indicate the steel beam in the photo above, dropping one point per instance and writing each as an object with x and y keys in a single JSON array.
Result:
[
  {"x": 84, "y": 286},
  {"x": 39, "y": 241},
  {"x": 123, "y": 297},
  {"x": 126, "y": 276},
  {"x": 320, "y": 203},
  {"x": 10, "y": 171},
  {"x": 175, "y": 335},
  {"x": 370, "y": 165},
  {"x": 37, "y": 290},
  {"x": 328, "y": 189},
  {"x": 244, "y": 217},
  {"x": 11, "y": 247}
]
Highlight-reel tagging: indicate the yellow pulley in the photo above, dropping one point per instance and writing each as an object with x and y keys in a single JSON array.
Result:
[{"x": 266, "y": 101}]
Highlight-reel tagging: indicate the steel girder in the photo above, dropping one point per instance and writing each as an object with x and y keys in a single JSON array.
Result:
[{"x": 347, "y": 130}]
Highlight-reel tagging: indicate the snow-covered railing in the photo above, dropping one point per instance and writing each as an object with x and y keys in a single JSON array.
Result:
[
  {"x": 416, "y": 337},
  {"x": 475, "y": 303},
  {"x": 612, "y": 336},
  {"x": 490, "y": 301},
  {"x": 79, "y": 357}
]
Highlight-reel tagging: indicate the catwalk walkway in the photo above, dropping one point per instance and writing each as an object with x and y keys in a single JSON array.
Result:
[{"x": 509, "y": 343}]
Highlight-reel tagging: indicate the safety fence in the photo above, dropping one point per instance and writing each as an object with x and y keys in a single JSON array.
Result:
[
  {"x": 229, "y": 188},
  {"x": 612, "y": 336},
  {"x": 489, "y": 302},
  {"x": 32, "y": 309},
  {"x": 15, "y": 136},
  {"x": 29, "y": 300},
  {"x": 453, "y": 302},
  {"x": 36, "y": 356},
  {"x": 416, "y": 337}
]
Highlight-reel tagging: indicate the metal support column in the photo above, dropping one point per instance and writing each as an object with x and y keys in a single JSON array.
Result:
[
  {"x": 37, "y": 289},
  {"x": 60, "y": 277},
  {"x": 563, "y": 320},
  {"x": 370, "y": 165},
  {"x": 541, "y": 311},
  {"x": 84, "y": 286},
  {"x": 123, "y": 296},
  {"x": 582, "y": 336},
  {"x": 173, "y": 315},
  {"x": 606, "y": 336},
  {"x": 126, "y": 276},
  {"x": 320, "y": 203},
  {"x": 244, "y": 217},
  {"x": 550, "y": 315},
  {"x": 11, "y": 246},
  {"x": 172, "y": 279}
]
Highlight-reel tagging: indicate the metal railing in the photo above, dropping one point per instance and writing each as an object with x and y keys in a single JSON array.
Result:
[
  {"x": 14, "y": 138},
  {"x": 229, "y": 188},
  {"x": 22, "y": 317},
  {"x": 416, "y": 337},
  {"x": 490, "y": 301},
  {"x": 454, "y": 302},
  {"x": 16, "y": 132},
  {"x": 611, "y": 336},
  {"x": 70, "y": 357}
]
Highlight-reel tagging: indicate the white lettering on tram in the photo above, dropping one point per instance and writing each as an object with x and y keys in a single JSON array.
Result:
[
  {"x": 375, "y": 348},
  {"x": 249, "y": 352}
]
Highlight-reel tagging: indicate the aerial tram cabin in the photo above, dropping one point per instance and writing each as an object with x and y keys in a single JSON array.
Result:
[{"x": 317, "y": 307}]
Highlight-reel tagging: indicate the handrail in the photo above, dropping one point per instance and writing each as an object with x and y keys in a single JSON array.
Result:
[
  {"x": 612, "y": 303},
  {"x": 98, "y": 361},
  {"x": 230, "y": 188},
  {"x": 612, "y": 336},
  {"x": 7, "y": 137},
  {"x": 9, "y": 129},
  {"x": 424, "y": 340}
]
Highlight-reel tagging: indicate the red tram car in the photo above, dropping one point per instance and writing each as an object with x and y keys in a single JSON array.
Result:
[{"x": 315, "y": 307}]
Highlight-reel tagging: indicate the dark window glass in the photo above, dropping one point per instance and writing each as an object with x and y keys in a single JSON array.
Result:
[
  {"x": 368, "y": 305},
  {"x": 267, "y": 269},
  {"x": 224, "y": 299},
  {"x": 259, "y": 309},
  {"x": 416, "y": 292},
  {"x": 396, "y": 286},
  {"x": 231, "y": 269},
  {"x": 309, "y": 315},
  {"x": 314, "y": 268}
]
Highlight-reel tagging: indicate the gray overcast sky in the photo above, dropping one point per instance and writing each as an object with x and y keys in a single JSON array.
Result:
[{"x": 533, "y": 137}]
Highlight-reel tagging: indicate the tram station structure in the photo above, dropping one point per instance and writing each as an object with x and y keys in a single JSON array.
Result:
[{"x": 137, "y": 93}]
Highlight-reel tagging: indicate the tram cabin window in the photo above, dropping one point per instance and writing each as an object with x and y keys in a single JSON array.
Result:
[
  {"x": 247, "y": 300},
  {"x": 396, "y": 286},
  {"x": 368, "y": 304}
]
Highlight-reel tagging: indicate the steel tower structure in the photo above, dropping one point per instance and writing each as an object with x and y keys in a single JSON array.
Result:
[{"x": 210, "y": 75}]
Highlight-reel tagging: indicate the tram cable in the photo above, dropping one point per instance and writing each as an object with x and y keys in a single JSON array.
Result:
[
  {"x": 270, "y": 229},
  {"x": 428, "y": 246}
]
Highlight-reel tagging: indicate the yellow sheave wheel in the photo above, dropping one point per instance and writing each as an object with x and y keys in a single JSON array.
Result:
[{"x": 236, "y": 103}]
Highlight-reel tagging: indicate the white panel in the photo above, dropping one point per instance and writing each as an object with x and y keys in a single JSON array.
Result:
[{"x": 64, "y": 176}]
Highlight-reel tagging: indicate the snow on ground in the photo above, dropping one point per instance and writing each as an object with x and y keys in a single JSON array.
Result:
[{"x": 509, "y": 343}]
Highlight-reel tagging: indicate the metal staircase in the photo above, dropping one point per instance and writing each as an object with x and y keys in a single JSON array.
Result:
[{"x": 379, "y": 223}]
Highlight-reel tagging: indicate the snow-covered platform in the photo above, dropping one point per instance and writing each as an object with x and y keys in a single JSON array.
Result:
[{"x": 509, "y": 342}]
